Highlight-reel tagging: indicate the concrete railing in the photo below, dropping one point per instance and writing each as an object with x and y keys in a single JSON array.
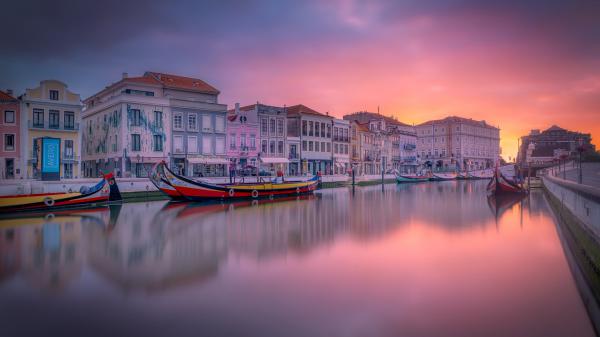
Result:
[{"x": 581, "y": 200}]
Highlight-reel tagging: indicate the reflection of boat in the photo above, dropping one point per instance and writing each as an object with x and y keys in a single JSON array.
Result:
[
  {"x": 442, "y": 176},
  {"x": 501, "y": 185},
  {"x": 500, "y": 203},
  {"x": 411, "y": 178},
  {"x": 198, "y": 190},
  {"x": 104, "y": 191},
  {"x": 157, "y": 177}
]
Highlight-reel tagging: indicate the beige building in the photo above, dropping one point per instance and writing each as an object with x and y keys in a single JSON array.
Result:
[
  {"x": 458, "y": 143},
  {"x": 51, "y": 110}
]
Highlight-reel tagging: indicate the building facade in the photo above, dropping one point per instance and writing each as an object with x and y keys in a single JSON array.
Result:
[
  {"x": 273, "y": 131},
  {"x": 315, "y": 138},
  {"x": 456, "y": 143},
  {"x": 341, "y": 146},
  {"x": 10, "y": 123},
  {"x": 51, "y": 111},
  {"x": 543, "y": 147},
  {"x": 243, "y": 135}
]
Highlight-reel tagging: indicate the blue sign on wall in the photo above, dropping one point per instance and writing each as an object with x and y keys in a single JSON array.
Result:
[{"x": 50, "y": 158}]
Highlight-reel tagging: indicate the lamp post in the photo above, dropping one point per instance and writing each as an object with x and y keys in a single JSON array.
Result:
[
  {"x": 580, "y": 149},
  {"x": 564, "y": 159}
]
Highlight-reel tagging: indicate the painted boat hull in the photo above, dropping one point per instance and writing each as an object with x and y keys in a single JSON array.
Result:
[
  {"x": 443, "y": 176},
  {"x": 401, "y": 179},
  {"x": 500, "y": 185},
  {"x": 198, "y": 190},
  {"x": 159, "y": 180},
  {"x": 103, "y": 192}
]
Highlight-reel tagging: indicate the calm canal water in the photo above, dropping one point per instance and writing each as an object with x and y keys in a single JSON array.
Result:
[{"x": 431, "y": 259}]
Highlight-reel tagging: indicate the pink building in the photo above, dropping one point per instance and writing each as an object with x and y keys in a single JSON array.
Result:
[
  {"x": 10, "y": 165},
  {"x": 243, "y": 135}
]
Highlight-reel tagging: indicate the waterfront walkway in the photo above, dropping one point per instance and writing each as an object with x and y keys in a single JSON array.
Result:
[{"x": 591, "y": 174}]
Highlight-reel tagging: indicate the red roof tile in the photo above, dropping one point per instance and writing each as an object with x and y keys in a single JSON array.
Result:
[
  {"x": 302, "y": 109},
  {"x": 181, "y": 82},
  {"x": 6, "y": 97},
  {"x": 456, "y": 119}
]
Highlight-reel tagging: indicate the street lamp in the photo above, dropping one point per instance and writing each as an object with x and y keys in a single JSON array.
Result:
[{"x": 580, "y": 149}]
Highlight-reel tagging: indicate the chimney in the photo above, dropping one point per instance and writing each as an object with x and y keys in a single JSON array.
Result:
[
  {"x": 125, "y": 75},
  {"x": 9, "y": 92},
  {"x": 237, "y": 108}
]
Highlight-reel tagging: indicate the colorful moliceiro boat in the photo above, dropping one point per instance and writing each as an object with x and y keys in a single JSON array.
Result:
[
  {"x": 159, "y": 179},
  {"x": 104, "y": 191},
  {"x": 501, "y": 185},
  {"x": 411, "y": 178},
  {"x": 441, "y": 176},
  {"x": 199, "y": 190}
]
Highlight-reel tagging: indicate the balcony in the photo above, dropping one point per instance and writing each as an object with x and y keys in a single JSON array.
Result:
[{"x": 73, "y": 127}]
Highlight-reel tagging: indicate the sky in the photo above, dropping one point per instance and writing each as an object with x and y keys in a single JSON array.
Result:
[{"x": 518, "y": 64}]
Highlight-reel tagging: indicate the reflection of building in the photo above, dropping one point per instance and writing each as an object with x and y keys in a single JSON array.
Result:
[
  {"x": 10, "y": 122},
  {"x": 51, "y": 110},
  {"x": 542, "y": 148},
  {"x": 458, "y": 143},
  {"x": 149, "y": 248},
  {"x": 10, "y": 252}
]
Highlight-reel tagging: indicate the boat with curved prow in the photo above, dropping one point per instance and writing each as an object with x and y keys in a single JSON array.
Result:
[
  {"x": 411, "y": 178},
  {"x": 158, "y": 178},
  {"x": 104, "y": 191},
  {"x": 200, "y": 190},
  {"x": 499, "y": 184},
  {"x": 443, "y": 176}
]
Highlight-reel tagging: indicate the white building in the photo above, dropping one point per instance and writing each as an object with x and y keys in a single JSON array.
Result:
[
  {"x": 315, "y": 139},
  {"x": 138, "y": 121},
  {"x": 458, "y": 143},
  {"x": 341, "y": 146}
]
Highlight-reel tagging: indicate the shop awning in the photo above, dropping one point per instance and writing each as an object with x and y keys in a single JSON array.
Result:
[
  {"x": 274, "y": 160},
  {"x": 208, "y": 161}
]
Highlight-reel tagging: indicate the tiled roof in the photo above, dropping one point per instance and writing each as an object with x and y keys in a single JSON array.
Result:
[
  {"x": 302, "y": 109},
  {"x": 456, "y": 119},
  {"x": 181, "y": 82},
  {"x": 6, "y": 97}
]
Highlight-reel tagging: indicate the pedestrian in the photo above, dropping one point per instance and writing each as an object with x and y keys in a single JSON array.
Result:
[{"x": 231, "y": 173}]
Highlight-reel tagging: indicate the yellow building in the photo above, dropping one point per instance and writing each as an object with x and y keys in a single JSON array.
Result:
[{"x": 51, "y": 110}]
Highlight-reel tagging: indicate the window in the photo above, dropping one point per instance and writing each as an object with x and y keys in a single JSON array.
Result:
[
  {"x": 192, "y": 144},
  {"x": 243, "y": 140},
  {"x": 335, "y": 134},
  {"x": 53, "y": 95},
  {"x": 272, "y": 147},
  {"x": 310, "y": 128},
  {"x": 323, "y": 147},
  {"x": 68, "y": 170},
  {"x": 114, "y": 146},
  {"x": 158, "y": 143},
  {"x": 264, "y": 127},
  {"x": 178, "y": 144},
  {"x": 328, "y": 147},
  {"x": 220, "y": 124},
  {"x": 69, "y": 120},
  {"x": 177, "y": 122},
  {"x": 323, "y": 130},
  {"x": 68, "y": 152},
  {"x": 9, "y": 117},
  {"x": 220, "y": 145},
  {"x": 317, "y": 133},
  {"x": 272, "y": 126},
  {"x": 136, "y": 117},
  {"x": 310, "y": 145},
  {"x": 335, "y": 146},
  {"x": 280, "y": 127},
  {"x": 328, "y": 131},
  {"x": 9, "y": 142},
  {"x": 253, "y": 142},
  {"x": 53, "y": 119},
  {"x": 232, "y": 141},
  {"x": 280, "y": 147},
  {"x": 206, "y": 123},
  {"x": 303, "y": 145},
  {"x": 293, "y": 151},
  {"x": 206, "y": 144},
  {"x": 135, "y": 142},
  {"x": 264, "y": 146},
  {"x": 304, "y": 128},
  {"x": 158, "y": 122},
  {"x": 192, "y": 119}
]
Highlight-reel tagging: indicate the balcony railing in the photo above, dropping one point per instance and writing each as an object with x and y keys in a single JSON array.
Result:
[{"x": 73, "y": 127}]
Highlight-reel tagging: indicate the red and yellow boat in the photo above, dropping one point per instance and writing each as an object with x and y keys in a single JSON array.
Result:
[
  {"x": 199, "y": 190},
  {"x": 104, "y": 191},
  {"x": 501, "y": 185},
  {"x": 158, "y": 178}
]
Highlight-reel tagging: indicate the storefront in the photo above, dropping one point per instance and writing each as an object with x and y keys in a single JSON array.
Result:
[
  {"x": 208, "y": 166},
  {"x": 273, "y": 164},
  {"x": 341, "y": 167}
]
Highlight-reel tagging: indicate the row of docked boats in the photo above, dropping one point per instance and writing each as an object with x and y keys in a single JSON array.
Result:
[{"x": 443, "y": 176}]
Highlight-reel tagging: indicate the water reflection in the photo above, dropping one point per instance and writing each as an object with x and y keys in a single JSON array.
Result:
[{"x": 373, "y": 262}]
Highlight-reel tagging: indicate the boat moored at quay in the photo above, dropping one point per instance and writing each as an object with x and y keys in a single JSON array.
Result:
[{"x": 197, "y": 190}]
